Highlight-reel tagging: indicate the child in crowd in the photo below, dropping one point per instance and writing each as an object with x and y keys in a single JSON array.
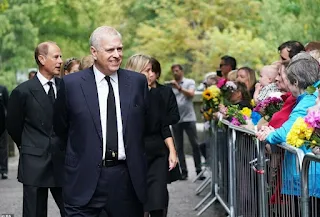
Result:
[
  {"x": 238, "y": 94},
  {"x": 267, "y": 83},
  {"x": 232, "y": 76}
]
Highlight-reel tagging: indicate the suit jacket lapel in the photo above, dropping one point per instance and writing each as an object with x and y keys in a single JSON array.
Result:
[
  {"x": 57, "y": 80},
  {"x": 89, "y": 89},
  {"x": 41, "y": 96},
  {"x": 125, "y": 96}
]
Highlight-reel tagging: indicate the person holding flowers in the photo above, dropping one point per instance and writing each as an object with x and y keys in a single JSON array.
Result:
[{"x": 302, "y": 72}]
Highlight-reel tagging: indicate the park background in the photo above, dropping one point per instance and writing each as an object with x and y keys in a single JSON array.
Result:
[{"x": 195, "y": 33}]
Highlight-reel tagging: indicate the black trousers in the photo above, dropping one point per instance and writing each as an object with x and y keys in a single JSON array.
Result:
[
  {"x": 3, "y": 153},
  {"x": 35, "y": 201},
  {"x": 114, "y": 194},
  {"x": 191, "y": 131}
]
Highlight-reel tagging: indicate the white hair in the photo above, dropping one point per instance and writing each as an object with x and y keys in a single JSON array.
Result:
[{"x": 101, "y": 33}]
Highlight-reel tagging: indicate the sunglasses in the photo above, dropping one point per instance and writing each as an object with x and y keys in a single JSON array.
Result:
[{"x": 222, "y": 65}]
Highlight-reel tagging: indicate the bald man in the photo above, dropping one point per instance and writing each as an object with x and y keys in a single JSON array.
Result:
[{"x": 29, "y": 123}]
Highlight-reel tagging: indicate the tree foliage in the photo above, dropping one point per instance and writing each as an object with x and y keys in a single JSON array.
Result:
[{"x": 190, "y": 32}]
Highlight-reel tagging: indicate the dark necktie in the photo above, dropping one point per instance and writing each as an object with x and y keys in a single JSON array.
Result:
[
  {"x": 112, "y": 129},
  {"x": 51, "y": 92}
]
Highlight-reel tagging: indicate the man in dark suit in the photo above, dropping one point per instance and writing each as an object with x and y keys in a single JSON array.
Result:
[
  {"x": 100, "y": 112},
  {"x": 29, "y": 122},
  {"x": 3, "y": 134}
]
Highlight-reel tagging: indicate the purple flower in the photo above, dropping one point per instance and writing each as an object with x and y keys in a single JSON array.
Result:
[
  {"x": 313, "y": 119},
  {"x": 235, "y": 121}
]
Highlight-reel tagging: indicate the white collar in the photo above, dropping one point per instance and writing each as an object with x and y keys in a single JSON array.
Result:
[
  {"x": 99, "y": 76},
  {"x": 44, "y": 80}
]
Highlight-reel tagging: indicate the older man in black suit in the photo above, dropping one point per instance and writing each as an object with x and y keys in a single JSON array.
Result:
[{"x": 29, "y": 122}]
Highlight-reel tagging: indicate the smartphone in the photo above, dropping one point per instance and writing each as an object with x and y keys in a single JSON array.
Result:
[{"x": 219, "y": 73}]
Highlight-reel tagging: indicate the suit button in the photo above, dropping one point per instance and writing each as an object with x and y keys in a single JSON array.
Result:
[
  {"x": 100, "y": 146},
  {"x": 99, "y": 165}
]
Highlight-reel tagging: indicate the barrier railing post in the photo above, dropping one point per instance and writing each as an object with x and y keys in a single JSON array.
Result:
[
  {"x": 304, "y": 186},
  {"x": 309, "y": 171},
  {"x": 232, "y": 171},
  {"x": 261, "y": 167}
]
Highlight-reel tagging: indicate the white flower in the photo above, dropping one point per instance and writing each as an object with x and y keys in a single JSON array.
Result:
[{"x": 231, "y": 85}]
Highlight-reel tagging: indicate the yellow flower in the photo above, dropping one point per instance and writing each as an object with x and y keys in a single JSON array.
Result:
[
  {"x": 299, "y": 133},
  {"x": 215, "y": 91},
  {"x": 206, "y": 116},
  {"x": 207, "y": 95},
  {"x": 252, "y": 103},
  {"x": 246, "y": 112}
]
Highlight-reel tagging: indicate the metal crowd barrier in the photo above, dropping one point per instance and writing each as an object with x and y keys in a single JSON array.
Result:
[
  {"x": 230, "y": 167},
  {"x": 283, "y": 186},
  {"x": 310, "y": 204},
  {"x": 249, "y": 182}
]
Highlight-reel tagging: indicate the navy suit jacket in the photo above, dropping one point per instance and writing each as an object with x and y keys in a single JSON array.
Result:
[{"x": 77, "y": 121}]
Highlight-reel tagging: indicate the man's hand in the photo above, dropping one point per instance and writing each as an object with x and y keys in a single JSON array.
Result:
[{"x": 175, "y": 84}]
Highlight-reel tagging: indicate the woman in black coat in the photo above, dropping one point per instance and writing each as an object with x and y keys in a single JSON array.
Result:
[
  {"x": 160, "y": 151},
  {"x": 167, "y": 94}
]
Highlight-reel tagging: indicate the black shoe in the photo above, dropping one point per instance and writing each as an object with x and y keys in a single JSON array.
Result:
[
  {"x": 4, "y": 176},
  {"x": 184, "y": 176},
  {"x": 202, "y": 177}
]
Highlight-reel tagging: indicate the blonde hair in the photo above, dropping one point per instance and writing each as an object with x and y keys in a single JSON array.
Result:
[
  {"x": 251, "y": 76},
  {"x": 272, "y": 71},
  {"x": 86, "y": 62},
  {"x": 138, "y": 62},
  {"x": 232, "y": 75}
]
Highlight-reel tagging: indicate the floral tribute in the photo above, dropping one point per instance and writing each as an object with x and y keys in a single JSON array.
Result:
[
  {"x": 305, "y": 131},
  {"x": 226, "y": 91},
  {"x": 238, "y": 117},
  {"x": 268, "y": 107},
  {"x": 211, "y": 99}
]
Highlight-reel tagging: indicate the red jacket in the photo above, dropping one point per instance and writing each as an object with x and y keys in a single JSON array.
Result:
[{"x": 282, "y": 116}]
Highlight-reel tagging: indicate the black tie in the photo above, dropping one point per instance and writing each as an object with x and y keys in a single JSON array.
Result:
[
  {"x": 51, "y": 92},
  {"x": 112, "y": 129}
]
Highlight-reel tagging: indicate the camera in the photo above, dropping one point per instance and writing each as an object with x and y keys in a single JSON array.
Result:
[
  {"x": 167, "y": 83},
  {"x": 219, "y": 73}
]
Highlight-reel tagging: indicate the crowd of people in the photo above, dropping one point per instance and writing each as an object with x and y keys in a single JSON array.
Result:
[
  {"x": 99, "y": 136},
  {"x": 290, "y": 79}
]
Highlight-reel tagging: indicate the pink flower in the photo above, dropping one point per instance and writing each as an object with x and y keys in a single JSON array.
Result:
[
  {"x": 221, "y": 82},
  {"x": 313, "y": 119},
  {"x": 235, "y": 121}
]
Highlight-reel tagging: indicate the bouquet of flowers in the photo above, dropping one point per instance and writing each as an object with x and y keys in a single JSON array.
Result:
[
  {"x": 268, "y": 107},
  {"x": 305, "y": 131},
  {"x": 238, "y": 117},
  {"x": 211, "y": 100},
  {"x": 226, "y": 90}
]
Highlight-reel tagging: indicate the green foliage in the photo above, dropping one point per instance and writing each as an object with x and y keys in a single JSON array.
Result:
[
  {"x": 3, "y": 5},
  {"x": 18, "y": 37},
  {"x": 190, "y": 32}
]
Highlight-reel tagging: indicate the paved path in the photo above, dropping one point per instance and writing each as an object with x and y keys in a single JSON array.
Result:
[{"x": 182, "y": 198}]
